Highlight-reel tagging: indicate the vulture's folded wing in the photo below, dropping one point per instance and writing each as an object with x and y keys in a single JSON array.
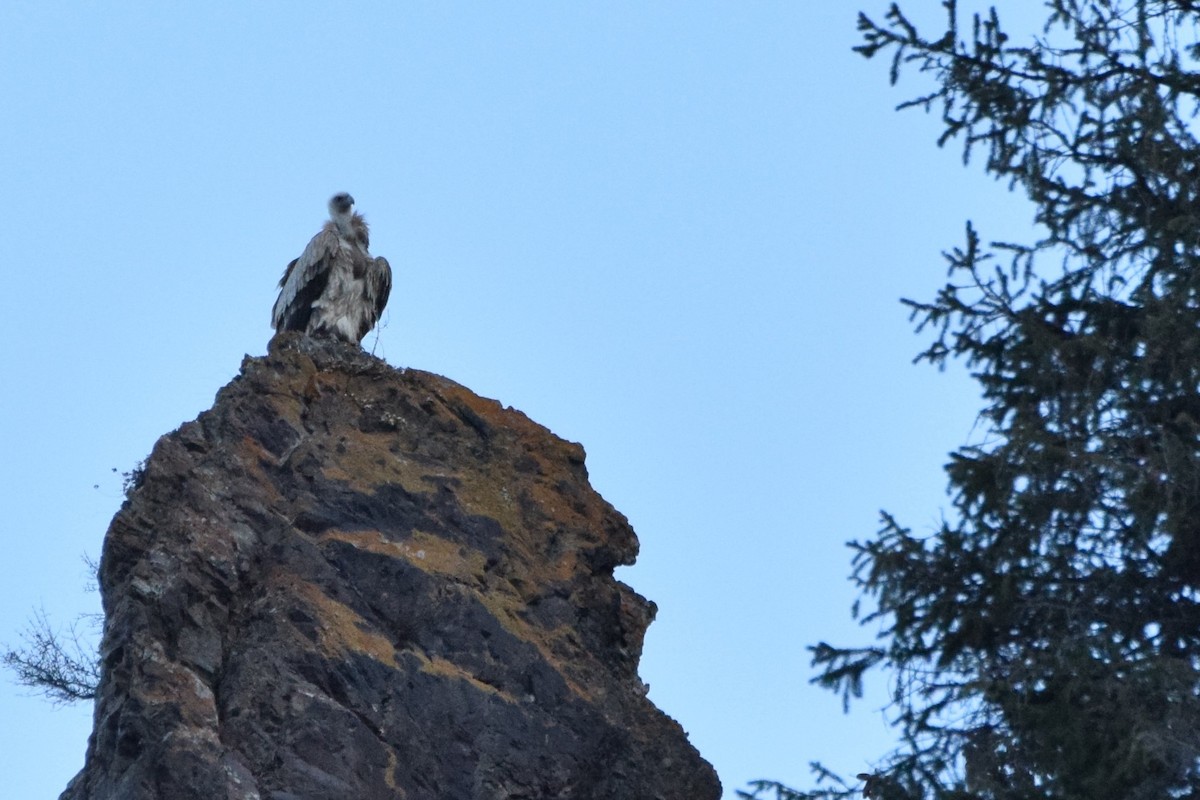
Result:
[
  {"x": 303, "y": 282},
  {"x": 379, "y": 285}
]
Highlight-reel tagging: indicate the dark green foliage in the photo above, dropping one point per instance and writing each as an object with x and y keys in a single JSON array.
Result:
[{"x": 1045, "y": 642}]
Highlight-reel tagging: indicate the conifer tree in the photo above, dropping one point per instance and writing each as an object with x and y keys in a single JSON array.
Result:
[{"x": 1045, "y": 641}]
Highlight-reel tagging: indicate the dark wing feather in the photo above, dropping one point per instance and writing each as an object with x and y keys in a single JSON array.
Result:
[
  {"x": 381, "y": 284},
  {"x": 303, "y": 282}
]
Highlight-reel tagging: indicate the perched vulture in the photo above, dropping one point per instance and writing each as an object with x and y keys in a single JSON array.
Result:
[{"x": 335, "y": 288}]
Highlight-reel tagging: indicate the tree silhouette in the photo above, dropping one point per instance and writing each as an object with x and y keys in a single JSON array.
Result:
[{"x": 1044, "y": 642}]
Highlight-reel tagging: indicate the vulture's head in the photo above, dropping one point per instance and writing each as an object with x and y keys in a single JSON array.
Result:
[{"x": 340, "y": 205}]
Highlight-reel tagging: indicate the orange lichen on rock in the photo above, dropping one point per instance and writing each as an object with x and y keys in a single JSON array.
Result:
[{"x": 339, "y": 629}]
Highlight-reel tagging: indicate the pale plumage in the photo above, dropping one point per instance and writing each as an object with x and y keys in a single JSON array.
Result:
[{"x": 335, "y": 288}]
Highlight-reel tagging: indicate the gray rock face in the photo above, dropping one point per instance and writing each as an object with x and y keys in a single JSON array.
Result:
[{"x": 349, "y": 581}]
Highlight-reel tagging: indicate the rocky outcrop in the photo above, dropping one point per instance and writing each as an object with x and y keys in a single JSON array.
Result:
[{"x": 350, "y": 581}]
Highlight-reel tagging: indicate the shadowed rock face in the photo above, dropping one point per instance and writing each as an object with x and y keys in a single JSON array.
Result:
[{"x": 350, "y": 581}]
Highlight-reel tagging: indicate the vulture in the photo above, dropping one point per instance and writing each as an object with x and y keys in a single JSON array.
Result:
[{"x": 335, "y": 288}]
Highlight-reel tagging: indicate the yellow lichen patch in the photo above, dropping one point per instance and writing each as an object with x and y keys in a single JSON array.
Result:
[
  {"x": 488, "y": 495},
  {"x": 371, "y": 541},
  {"x": 544, "y": 442},
  {"x": 448, "y": 669},
  {"x": 253, "y": 451},
  {"x": 508, "y": 418},
  {"x": 360, "y": 461},
  {"x": 365, "y": 462},
  {"x": 289, "y": 408},
  {"x": 413, "y": 477},
  {"x": 505, "y": 607},
  {"x": 440, "y": 556},
  {"x": 341, "y": 630},
  {"x": 435, "y": 554},
  {"x": 253, "y": 455},
  {"x": 389, "y": 774},
  {"x": 424, "y": 550}
]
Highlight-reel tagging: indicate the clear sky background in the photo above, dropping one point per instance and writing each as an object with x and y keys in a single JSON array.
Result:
[{"x": 674, "y": 232}]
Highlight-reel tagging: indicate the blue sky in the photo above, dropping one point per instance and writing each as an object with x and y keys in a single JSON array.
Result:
[{"x": 676, "y": 233}]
